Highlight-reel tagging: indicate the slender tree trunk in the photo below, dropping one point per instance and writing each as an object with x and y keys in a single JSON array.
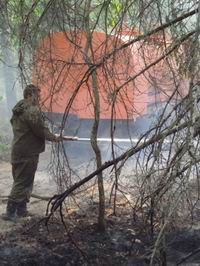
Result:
[
  {"x": 94, "y": 132},
  {"x": 101, "y": 218}
]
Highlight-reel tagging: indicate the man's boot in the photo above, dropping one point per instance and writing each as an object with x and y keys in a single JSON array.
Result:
[
  {"x": 22, "y": 209},
  {"x": 10, "y": 211}
]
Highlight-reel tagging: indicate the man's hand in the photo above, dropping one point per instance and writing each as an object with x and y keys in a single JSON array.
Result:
[
  {"x": 74, "y": 138},
  {"x": 69, "y": 138},
  {"x": 58, "y": 138}
]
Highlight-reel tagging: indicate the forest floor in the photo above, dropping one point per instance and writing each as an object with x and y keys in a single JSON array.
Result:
[{"x": 29, "y": 241}]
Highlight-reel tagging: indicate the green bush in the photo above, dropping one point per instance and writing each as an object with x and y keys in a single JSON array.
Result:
[{"x": 4, "y": 148}]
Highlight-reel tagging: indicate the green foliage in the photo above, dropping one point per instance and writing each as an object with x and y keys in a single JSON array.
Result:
[
  {"x": 5, "y": 138},
  {"x": 3, "y": 147},
  {"x": 22, "y": 18},
  {"x": 114, "y": 12},
  {"x": 107, "y": 13}
]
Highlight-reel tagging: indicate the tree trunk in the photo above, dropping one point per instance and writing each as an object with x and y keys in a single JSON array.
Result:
[
  {"x": 94, "y": 132},
  {"x": 101, "y": 218}
]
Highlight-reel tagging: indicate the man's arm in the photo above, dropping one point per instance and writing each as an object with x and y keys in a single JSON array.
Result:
[{"x": 36, "y": 123}]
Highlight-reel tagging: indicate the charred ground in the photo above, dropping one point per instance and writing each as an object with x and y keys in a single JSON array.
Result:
[{"x": 126, "y": 241}]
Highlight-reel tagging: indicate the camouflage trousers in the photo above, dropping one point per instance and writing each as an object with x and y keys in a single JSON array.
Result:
[{"x": 23, "y": 175}]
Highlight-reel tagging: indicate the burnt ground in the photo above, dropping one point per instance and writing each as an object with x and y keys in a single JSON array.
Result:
[{"x": 125, "y": 242}]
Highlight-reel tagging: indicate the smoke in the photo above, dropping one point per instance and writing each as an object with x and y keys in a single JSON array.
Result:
[{"x": 10, "y": 93}]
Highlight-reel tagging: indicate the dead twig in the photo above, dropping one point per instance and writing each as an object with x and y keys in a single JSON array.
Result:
[{"x": 188, "y": 256}]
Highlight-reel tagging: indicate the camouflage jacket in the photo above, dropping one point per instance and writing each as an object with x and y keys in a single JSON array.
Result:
[{"x": 29, "y": 132}]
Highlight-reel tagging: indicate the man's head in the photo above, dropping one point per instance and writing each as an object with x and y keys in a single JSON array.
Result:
[{"x": 32, "y": 94}]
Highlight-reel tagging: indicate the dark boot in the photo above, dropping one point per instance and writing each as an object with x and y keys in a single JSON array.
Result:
[
  {"x": 22, "y": 209},
  {"x": 10, "y": 211}
]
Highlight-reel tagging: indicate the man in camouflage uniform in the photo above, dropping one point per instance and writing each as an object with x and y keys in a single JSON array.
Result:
[{"x": 30, "y": 133}]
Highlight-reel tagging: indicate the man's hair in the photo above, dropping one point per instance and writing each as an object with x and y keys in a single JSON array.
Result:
[{"x": 30, "y": 90}]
